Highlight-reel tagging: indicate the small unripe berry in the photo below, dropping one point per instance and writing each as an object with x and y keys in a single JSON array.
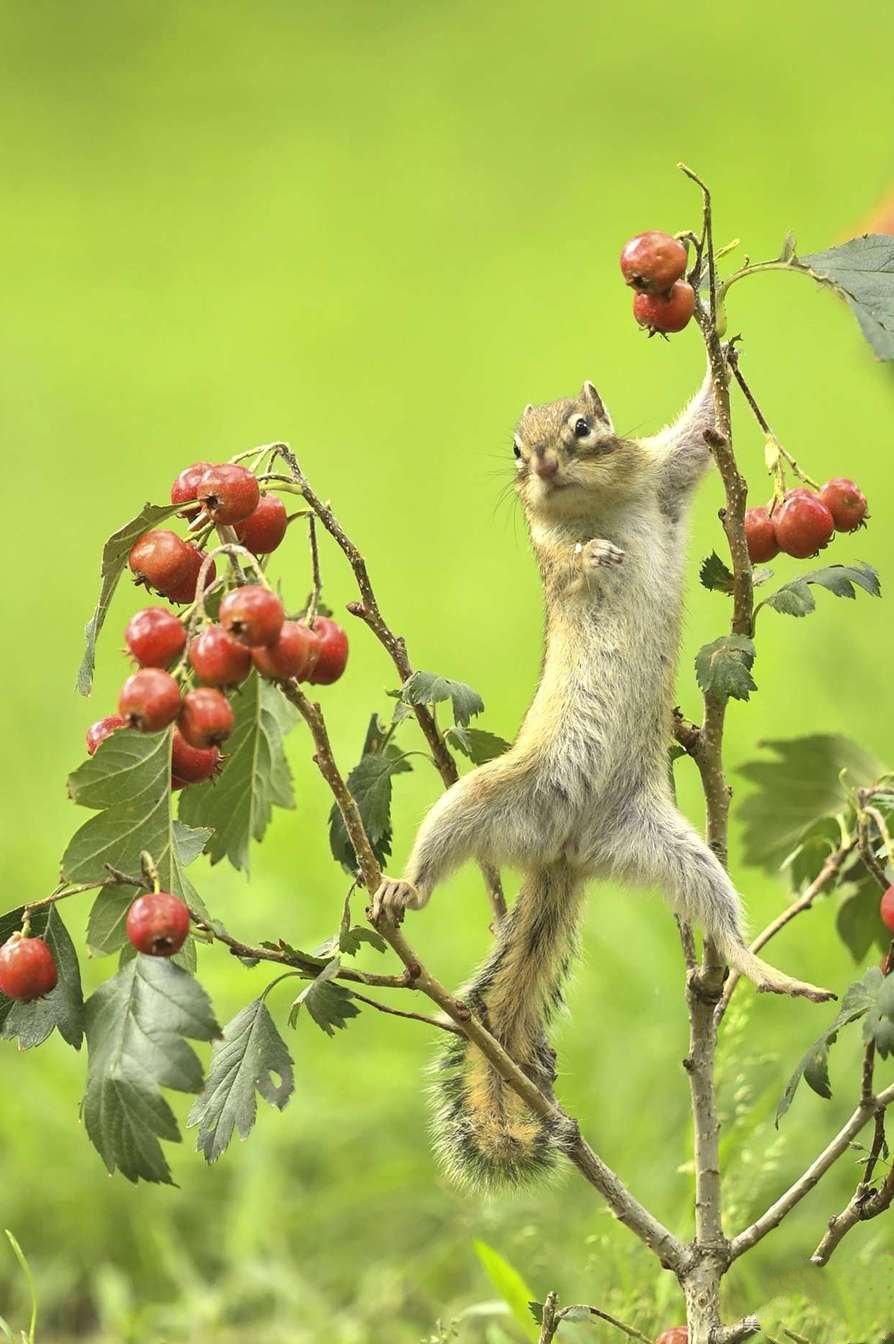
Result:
[
  {"x": 329, "y": 652},
  {"x": 103, "y": 728},
  {"x": 155, "y": 637},
  {"x": 229, "y": 492},
  {"x": 263, "y": 530},
  {"x": 846, "y": 503},
  {"x": 206, "y": 718},
  {"x": 149, "y": 700},
  {"x": 160, "y": 560},
  {"x": 803, "y": 524},
  {"x": 760, "y": 534},
  {"x": 190, "y": 765},
  {"x": 886, "y": 909},
  {"x": 185, "y": 590},
  {"x": 665, "y": 312},
  {"x": 290, "y": 656},
  {"x": 218, "y": 659},
  {"x": 27, "y": 968},
  {"x": 653, "y": 261},
  {"x": 185, "y": 485},
  {"x": 157, "y": 924},
  {"x": 252, "y": 614},
  {"x": 678, "y": 1334}
]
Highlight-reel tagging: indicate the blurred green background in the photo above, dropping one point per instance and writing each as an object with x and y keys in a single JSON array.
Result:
[{"x": 377, "y": 230}]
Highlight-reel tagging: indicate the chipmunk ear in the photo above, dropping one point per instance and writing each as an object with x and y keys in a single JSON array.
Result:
[
  {"x": 527, "y": 411},
  {"x": 589, "y": 394}
]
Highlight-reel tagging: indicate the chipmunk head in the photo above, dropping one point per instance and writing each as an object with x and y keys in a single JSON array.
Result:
[{"x": 568, "y": 456}]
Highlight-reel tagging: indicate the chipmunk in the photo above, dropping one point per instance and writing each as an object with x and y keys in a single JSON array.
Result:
[{"x": 585, "y": 790}]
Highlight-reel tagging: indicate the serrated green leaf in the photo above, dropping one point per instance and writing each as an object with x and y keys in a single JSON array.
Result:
[
  {"x": 814, "y": 1067},
  {"x": 813, "y": 849},
  {"x": 723, "y": 667},
  {"x": 238, "y": 804},
  {"x": 370, "y": 785},
  {"x": 114, "y": 560},
  {"x": 862, "y": 271},
  {"x": 250, "y": 1057},
  {"x": 796, "y": 599},
  {"x": 106, "y": 931},
  {"x": 137, "y": 1025},
  {"x": 795, "y": 788},
  {"x": 427, "y": 688},
  {"x": 715, "y": 575},
  {"x": 478, "y": 745},
  {"x": 858, "y": 922},
  {"x": 511, "y": 1287},
  {"x": 878, "y": 1026},
  {"x": 352, "y": 936},
  {"x": 63, "y": 1008},
  {"x": 330, "y": 1005}
]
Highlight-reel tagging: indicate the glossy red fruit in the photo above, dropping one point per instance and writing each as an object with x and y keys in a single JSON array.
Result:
[
  {"x": 149, "y": 700},
  {"x": 263, "y": 530},
  {"x": 190, "y": 765},
  {"x": 206, "y": 718},
  {"x": 760, "y": 534},
  {"x": 846, "y": 503},
  {"x": 155, "y": 637},
  {"x": 229, "y": 493},
  {"x": 218, "y": 659},
  {"x": 103, "y": 728},
  {"x": 27, "y": 968},
  {"x": 678, "y": 1334},
  {"x": 158, "y": 923},
  {"x": 653, "y": 261},
  {"x": 886, "y": 909},
  {"x": 330, "y": 652},
  {"x": 803, "y": 524},
  {"x": 160, "y": 560},
  {"x": 185, "y": 590},
  {"x": 185, "y": 485},
  {"x": 665, "y": 312},
  {"x": 252, "y": 614},
  {"x": 290, "y": 656}
]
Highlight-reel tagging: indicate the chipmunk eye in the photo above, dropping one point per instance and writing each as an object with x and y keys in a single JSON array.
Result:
[
  {"x": 581, "y": 428},
  {"x": 515, "y": 448}
]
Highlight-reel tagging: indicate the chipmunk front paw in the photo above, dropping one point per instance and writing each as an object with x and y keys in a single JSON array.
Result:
[
  {"x": 595, "y": 553},
  {"x": 393, "y": 898}
]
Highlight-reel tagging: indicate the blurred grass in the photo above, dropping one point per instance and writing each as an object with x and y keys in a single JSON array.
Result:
[{"x": 377, "y": 231}]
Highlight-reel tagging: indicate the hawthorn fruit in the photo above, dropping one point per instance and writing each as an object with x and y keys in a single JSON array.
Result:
[
  {"x": 760, "y": 534},
  {"x": 27, "y": 968},
  {"x": 252, "y": 614},
  {"x": 218, "y": 659},
  {"x": 157, "y": 924},
  {"x": 329, "y": 652},
  {"x": 103, "y": 728},
  {"x": 846, "y": 503},
  {"x": 205, "y": 718},
  {"x": 155, "y": 637},
  {"x": 229, "y": 492},
  {"x": 290, "y": 656},
  {"x": 803, "y": 524},
  {"x": 149, "y": 700},
  {"x": 665, "y": 312},
  {"x": 262, "y": 531},
  {"x": 653, "y": 261}
]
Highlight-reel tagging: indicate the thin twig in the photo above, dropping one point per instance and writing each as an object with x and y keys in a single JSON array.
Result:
[
  {"x": 413, "y": 1017},
  {"x": 314, "y": 601},
  {"x": 629, "y": 1330}
]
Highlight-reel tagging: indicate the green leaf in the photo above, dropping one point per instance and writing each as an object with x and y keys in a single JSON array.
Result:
[
  {"x": 114, "y": 560},
  {"x": 723, "y": 667},
  {"x": 32, "y": 1023},
  {"x": 715, "y": 575},
  {"x": 370, "y": 785},
  {"x": 878, "y": 1026},
  {"x": 862, "y": 271},
  {"x": 330, "y": 1005},
  {"x": 511, "y": 1287},
  {"x": 136, "y": 1025},
  {"x": 475, "y": 743},
  {"x": 796, "y": 599},
  {"x": 814, "y": 1067},
  {"x": 807, "y": 859},
  {"x": 795, "y": 788},
  {"x": 250, "y": 1057},
  {"x": 351, "y": 937},
  {"x": 858, "y": 922},
  {"x": 238, "y": 804},
  {"x": 427, "y": 688},
  {"x": 128, "y": 782}
]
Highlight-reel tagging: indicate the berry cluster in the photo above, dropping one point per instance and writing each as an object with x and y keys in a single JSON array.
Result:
[
  {"x": 653, "y": 264},
  {"x": 804, "y": 522}
]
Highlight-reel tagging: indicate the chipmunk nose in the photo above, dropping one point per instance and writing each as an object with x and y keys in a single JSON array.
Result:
[{"x": 544, "y": 464}]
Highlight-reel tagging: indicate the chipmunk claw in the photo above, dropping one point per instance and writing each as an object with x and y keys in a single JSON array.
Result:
[
  {"x": 392, "y": 899},
  {"x": 597, "y": 552}
]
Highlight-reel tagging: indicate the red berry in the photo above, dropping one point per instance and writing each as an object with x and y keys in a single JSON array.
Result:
[
  {"x": 330, "y": 650},
  {"x": 665, "y": 312},
  {"x": 263, "y": 530},
  {"x": 886, "y": 909},
  {"x": 149, "y": 700},
  {"x": 185, "y": 484},
  {"x": 185, "y": 591},
  {"x": 290, "y": 656},
  {"x": 27, "y": 968},
  {"x": 678, "y": 1334},
  {"x": 160, "y": 560},
  {"x": 846, "y": 503},
  {"x": 103, "y": 728},
  {"x": 803, "y": 524},
  {"x": 158, "y": 923},
  {"x": 155, "y": 637},
  {"x": 653, "y": 261},
  {"x": 252, "y": 614},
  {"x": 190, "y": 765},
  {"x": 760, "y": 534},
  {"x": 229, "y": 493},
  {"x": 218, "y": 659},
  {"x": 206, "y": 717}
]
